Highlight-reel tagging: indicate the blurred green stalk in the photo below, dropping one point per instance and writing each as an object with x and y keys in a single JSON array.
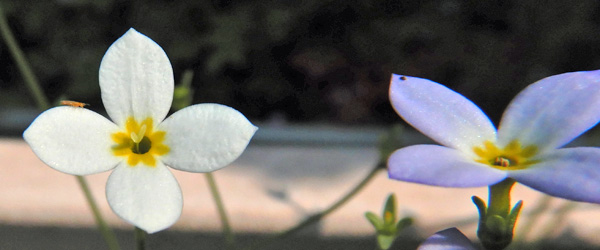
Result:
[
  {"x": 229, "y": 236},
  {"x": 140, "y": 238},
  {"x": 319, "y": 216},
  {"x": 22, "y": 64},
  {"x": 43, "y": 104},
  {"x": 182, "y": 97}
]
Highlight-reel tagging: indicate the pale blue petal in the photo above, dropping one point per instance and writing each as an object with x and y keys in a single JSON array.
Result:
[
  {"x": 440, "y": 166},
  {"x": 440, "y": 113},
  {"x": 553, "y": 111},
  {"x": 448, "y": 239},
  {"x": 570, "y": 173}
]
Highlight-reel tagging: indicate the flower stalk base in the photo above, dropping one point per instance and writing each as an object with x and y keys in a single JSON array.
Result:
[{"x": 497, "y": 221}]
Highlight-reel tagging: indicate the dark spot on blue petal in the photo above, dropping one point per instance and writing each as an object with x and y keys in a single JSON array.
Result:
[{"x": 403, "y": 78}]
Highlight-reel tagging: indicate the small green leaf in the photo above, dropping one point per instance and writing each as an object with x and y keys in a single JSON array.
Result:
[
  {"x": 376, "y": 221},
  {"x": 403, "y": 223},
  {"x": 385, "y": 241}
]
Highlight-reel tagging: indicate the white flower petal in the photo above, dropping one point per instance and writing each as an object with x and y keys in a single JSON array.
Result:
[
  {"x": 205, "y": 137},
  {"x": 553, "y": 111},
  {"x": 147, "y": 197},
  {"x": 73, "y": 140},
  {"x": 440, "y": 113},
  {"x": 136, "y": 79}
]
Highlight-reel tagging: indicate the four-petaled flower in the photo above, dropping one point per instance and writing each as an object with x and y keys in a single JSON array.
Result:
[
  {"x": 545, "y": 116},
  {"x": 136, "y": 80}
]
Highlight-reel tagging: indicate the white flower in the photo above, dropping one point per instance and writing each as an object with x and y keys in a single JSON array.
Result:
[{"x": 136, "y": 80}]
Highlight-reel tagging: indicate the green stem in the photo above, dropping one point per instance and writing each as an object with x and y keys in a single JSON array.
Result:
[
  {"x": 229, "y": 236},
  {"x": 499, "y": 198},
  {"x": 108, "y": 234},
  {"x": 17, "y": 54},
  {"x": 318, "y": 216},
  {"x": 496, "y": 225},
  {"x": 140, "y": 238},
  {"x": 43, "y": 104}
]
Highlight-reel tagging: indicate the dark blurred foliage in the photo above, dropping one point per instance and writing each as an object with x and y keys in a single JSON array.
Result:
[{"x": 310, "y": 60}]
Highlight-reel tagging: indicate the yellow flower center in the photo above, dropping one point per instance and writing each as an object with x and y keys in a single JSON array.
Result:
[
  {"x": 139, "y": 142},
  {"x": 512, "y": 157}
]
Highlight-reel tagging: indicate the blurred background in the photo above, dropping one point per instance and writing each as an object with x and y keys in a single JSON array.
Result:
[
  {"x": 312, "y": 60},
  {"x": 304, "y": 70}
]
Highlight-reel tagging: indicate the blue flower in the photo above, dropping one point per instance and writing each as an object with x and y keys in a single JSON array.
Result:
[{"x": 545, "y": 116}]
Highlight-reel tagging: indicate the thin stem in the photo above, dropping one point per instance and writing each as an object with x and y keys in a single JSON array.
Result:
[
  {"x": 499, "y": 198},
  {"x": 496, "y": 226},
  {"x": 43, "y": 104},
  {"x": 140, "y": 238},
  {"x": 214, "y": 190},
  {"x": 17, "y": 54},
  {"x": 109, "y": 235},
  {"x": 318, "y": 216}
]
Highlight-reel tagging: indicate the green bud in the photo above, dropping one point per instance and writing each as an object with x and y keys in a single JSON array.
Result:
[
  {"x": 387, "y": 227},
  {"x": 183, "y": 93},
  {"x": 389, "y": 210}
]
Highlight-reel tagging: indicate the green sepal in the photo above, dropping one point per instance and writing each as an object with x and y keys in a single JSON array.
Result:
[
  {"x": 514, "y": 214},
  {"x": 403, "y": 223},
  {"x": 481, "y": 207},
  {"x": 375, "y": 221}
]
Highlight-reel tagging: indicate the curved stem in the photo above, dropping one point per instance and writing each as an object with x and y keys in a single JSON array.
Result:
[
  {"x": 109, "y": 235},
  {"x": 140, "y": 238},
  {"x": 43, "y": 104},
  {"x": 229, "y": 236},
  {"x": 318, "y": 216},
  {"x": 17, "y": 54}
]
